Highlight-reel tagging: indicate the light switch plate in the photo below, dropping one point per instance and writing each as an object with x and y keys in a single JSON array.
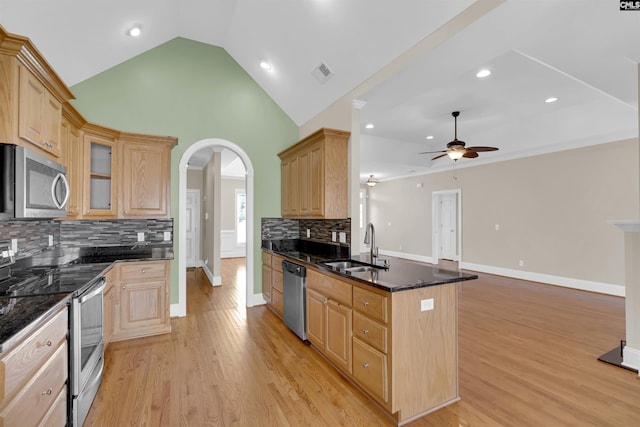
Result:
[
  {"x": 14, "y": 245},
  {"x": 50, "y": 237},
  {"x": 426, "y": 304},
  {"x": 167, "y": 236},
  {"x": 333, "y": 236},
  {"x": 308, "y": 232},
  {"x": 343, "y": 237},
  {"x": 141, "y": 236}
]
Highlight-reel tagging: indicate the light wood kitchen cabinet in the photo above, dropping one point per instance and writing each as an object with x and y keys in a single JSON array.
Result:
[
  {"x": 101, "y": 158},
  {"x": 33, "y": 377},
  {"x": 142, "y": 300},
  {"x": 329, "y": 318},
  {"x": 72, "y": 143},
  {"x": 145, "y": 177},
  {"x": 111, "y": 277},
  {"x": 277, "y": 285},
  {"x": 314, "y": 176},
  {"x": 266, "y": 276}
]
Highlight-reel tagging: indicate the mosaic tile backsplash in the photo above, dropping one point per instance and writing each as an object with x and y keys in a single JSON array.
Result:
[
  {"x": 320, "y": 229},
  {"x": 33, "y": 236}
]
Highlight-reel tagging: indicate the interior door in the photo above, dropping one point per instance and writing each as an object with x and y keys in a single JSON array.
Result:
[
  {"x": 192, "y": 227},
  {"x": 448, "y": 229}
]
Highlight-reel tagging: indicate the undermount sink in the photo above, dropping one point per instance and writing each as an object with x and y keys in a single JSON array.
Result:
[{"x": 350, "y": 266}]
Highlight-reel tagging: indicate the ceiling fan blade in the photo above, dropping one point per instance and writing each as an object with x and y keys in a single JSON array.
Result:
[
  {"x": 441, "y": 155},
  {"x": 470, "y": 154},
  {"x": 480, "y": 149},
  {"x": 433, "y": 152}
]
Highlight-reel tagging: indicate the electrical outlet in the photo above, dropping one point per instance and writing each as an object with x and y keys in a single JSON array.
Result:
[
  {"x": 50, "y": 240},
  {"x": 343, "y": 237},
  {"x": 308, "y": 233},
  {"x": 426, "y": 304},
  {"x": 141, "y": 236},
  {"x": 521, "y": 263},
  {"x": 167, "y": 236},
  {"x": 333, "y": 236},
  {"x": 497, "y": 226},
  {"x": 14, "y": 245}
]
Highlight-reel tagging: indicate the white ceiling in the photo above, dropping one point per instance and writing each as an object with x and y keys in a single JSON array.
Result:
[{"x": 585, "y": 52}]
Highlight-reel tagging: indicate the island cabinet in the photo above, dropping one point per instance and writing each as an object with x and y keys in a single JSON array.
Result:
[
  {"x": 145, "y": 176},
  {"x": 33, "y": 377},
  {"x": 141, "y": 305},
  {"x": 266, "y": 276},
  {"x": 329, "y": 318},
  {"x": 315, "y": 176},
  {"x": 277, "y": 299}
]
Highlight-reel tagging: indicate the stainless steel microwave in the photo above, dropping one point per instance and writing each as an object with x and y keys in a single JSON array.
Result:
[{"x": 32, "y": 185}]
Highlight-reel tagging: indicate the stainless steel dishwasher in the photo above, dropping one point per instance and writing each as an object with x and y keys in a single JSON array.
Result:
[{"x": 295, "y": 298}]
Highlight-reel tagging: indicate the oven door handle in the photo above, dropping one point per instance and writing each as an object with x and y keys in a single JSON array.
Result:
[{"x": 93, "y": 292}]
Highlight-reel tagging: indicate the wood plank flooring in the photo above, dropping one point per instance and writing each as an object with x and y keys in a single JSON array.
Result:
[{"x": 527, "y": 356}]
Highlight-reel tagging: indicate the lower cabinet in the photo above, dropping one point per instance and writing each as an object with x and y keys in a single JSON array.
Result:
[
  {"x": 109, "y": 304},
  {"x": 329, "y": 318},
  {"x": 266, "y": 276},
  {"x": 272, "y": 285},
  {"x": 34, "y": 375},
  {"x": 141, "y": 300}
]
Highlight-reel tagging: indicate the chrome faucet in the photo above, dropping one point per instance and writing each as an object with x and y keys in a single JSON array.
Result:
[{"x": 370, "y": 238}]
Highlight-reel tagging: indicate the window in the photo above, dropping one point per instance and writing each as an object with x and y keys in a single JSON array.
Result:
[{"x": 241, "y": 217}]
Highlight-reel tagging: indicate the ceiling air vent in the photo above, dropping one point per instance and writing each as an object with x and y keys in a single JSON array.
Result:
[{"x": 322, "y": 72}]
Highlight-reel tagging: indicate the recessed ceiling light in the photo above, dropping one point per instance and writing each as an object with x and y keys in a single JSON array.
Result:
[
  {"x": 430, "y": 137},
  {"x": 483, "y": 73},
  {"x": 134, "y": 31},
  {"x": 265, "y": 65},
  {"x": 551, "y": 99},
  {"x": 369, "y": 126}
]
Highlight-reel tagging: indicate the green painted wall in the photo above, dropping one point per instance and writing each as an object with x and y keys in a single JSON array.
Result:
[{"x": 195, "y": 91}]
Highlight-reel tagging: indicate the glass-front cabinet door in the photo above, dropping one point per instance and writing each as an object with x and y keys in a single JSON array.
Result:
[{"x": 100, "y": 153}]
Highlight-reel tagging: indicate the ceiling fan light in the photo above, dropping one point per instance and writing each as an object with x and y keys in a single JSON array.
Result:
[
  {"x": 455, "y": 154},
  {"x": 371, "y": 182}
]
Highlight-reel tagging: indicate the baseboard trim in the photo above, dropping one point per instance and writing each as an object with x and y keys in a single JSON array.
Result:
[
  {"x": 176, "y": 310},
  {"x": 257, "y": 299},
  {"x": 631, "y": 358},
  {"x": 566, "y": 282}
]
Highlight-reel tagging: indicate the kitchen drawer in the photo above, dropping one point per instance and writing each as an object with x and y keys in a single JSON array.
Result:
[
  {"x": 370, "y": 369},
  {"x": 328, "y": 286},
  {"x": 277, "y": 301},
  {"x": 370, "y": 332},
  {"x": 134, "y": 271},
  {"x": 372, "y": 304},
  {"x": 266, "y": 258},
  {"x": 276, "y": 262},
  {"x": 22, "y": 362},
  {"x": 33, "y": 402},
  {"x": 276, "y": 280},
  {"x": 57, "y": 415}
]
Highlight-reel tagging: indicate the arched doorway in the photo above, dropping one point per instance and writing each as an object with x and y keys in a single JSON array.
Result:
[{"x": 181, "y": 309}]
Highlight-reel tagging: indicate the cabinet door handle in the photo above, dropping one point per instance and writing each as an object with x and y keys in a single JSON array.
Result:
[
  {"x": 143, "y": 272},
  {"x": 365, "y": 331},
  {"x": 47, "y": 392},
  {"x": 365, "y": 303},
  {"x": 365, "y": 365},
  {"x": 124, "y": 287}
]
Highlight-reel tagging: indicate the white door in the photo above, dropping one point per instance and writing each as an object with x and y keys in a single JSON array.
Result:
[
  {"x": 448, "y": 235},
  {"x": 192, "y": 227}
]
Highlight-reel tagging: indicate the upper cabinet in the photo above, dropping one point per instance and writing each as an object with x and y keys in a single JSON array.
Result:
[
  {"x": 315, "y": 176},
  {"x": 111, "y": 174},
  {"x": 32, "y": 96},
  {"x": 145, "y": 176}
]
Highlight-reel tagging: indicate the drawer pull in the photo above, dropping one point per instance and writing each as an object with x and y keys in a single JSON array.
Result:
[
  {"x": 47, "y": 392},
  {"x": 365, "y": 365},
  {"x": 365, "y": 303},
  {"x": 124, "y": 287},
  {"x": 48, "y": 343},
  {"x": 143, "y": 272},
  {"x": 365, "y": 331}
]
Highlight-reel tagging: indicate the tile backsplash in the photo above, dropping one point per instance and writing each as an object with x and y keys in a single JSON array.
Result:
[
  {"x": 33, "y": 235},
  {"x": 319, "y": 229}
]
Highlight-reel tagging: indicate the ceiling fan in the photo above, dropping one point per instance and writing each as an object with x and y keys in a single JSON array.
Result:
[{"x": 456, "y": 149}]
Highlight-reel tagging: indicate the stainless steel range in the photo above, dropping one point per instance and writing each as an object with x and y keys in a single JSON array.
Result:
[{"x": 86, "y": 334}]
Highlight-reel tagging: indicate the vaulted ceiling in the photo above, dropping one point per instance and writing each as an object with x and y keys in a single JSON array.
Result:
[{"x": 584, "y": 52}]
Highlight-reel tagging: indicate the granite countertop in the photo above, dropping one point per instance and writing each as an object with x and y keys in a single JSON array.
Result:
[
  {"x": 68, "y": 271},
  {"x": 401, "y": 275}
]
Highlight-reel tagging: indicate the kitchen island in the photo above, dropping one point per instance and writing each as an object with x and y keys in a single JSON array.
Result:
[{"x": 391, "y": 331}]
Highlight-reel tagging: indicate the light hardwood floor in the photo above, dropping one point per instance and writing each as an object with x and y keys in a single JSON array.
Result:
[{"x": 527, "y": 356}]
